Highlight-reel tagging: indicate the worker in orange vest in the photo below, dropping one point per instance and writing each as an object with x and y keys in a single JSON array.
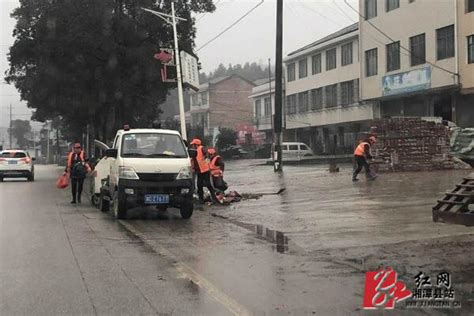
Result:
[
  {"x": 217, "y": 170},
  {"x": 202, "y": 170},
  {"x": 77, "y": 169},
  {"x": 361, "y": 154}
]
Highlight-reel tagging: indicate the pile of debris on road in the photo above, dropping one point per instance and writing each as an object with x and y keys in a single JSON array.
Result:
[
  {"x": 462, "y": 144},
  {"x": 411, "y": 144}
]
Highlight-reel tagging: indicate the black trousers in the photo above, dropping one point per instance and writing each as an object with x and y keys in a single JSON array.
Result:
[
  {"x": 76, "y": 187},
  {"x": 361, "y": 163},
  {"x": 204, "y": 180}
]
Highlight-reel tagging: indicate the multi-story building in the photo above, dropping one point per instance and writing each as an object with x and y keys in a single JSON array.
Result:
[
  {"x": 263, "y": 98},
  {"x": 322, "y": 93},
  {"x": 416, "y": 58},
  {"x": 222, "y": 102}
]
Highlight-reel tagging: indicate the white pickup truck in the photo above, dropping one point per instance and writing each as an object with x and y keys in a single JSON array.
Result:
[{"x": 147, "y": 167}]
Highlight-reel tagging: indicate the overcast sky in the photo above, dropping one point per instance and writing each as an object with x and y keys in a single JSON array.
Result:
[{"x": 253, "y": 39}]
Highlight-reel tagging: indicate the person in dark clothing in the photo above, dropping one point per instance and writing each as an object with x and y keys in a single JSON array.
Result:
[
  {"x": 361, "y": 154},
  {"x": 77, "y": 169},
  {"x": 201, "y": 168}
]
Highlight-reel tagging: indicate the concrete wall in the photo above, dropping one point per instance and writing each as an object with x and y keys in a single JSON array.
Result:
[
  {"x": 229, "y": 103},
  {"x": 410, "y": 19},
  {"x": 465, "y": 28}
]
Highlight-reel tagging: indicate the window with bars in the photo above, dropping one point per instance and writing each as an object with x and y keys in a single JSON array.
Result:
[
  {"x": 417, "y": 50},
  {"x": 392, "y": 4},
  {"x": 346, "y": 54},
  {"x": 370, "y": 9},
  {"x": 393, "y": 56},
  {"x": 331, "y": 95},
  {"x": 371, "y": 62},
  {"x": 445, "y": 42},
  {"x": 331, "y": 59},
  {"x": 316, "y": 64},
  {"x": 258, "y": 108},
  {"x": 470, "y": 49},
  {"x": 291, "y": 104},
  {"x": 303, "y": 102},
  {"x": 290, "y": 69},
  {"x": 347, "y": 92},
  {"x": 268, "y": 106},
  {"x": 302, "y": 68},
  {"x": 317, "y": 99}
]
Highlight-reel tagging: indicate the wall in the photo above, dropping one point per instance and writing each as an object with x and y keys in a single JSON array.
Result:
[
  {"x": 230, "y": 103},
  {"x": 420, "y": 16}
]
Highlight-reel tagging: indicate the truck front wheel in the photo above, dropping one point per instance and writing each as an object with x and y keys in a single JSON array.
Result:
[
  {"x": 186, "y": 210},
  {"x": 120, "y": 206}
]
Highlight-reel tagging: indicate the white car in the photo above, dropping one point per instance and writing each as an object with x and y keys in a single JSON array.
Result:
[
  {"x": 16, "y": 164},
  {"x": 293, "y": 151}
]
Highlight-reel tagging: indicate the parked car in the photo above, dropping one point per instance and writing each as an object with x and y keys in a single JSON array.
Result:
[
  {"x": 16, "y": 164},
  {"x": 293, "y": 151}
]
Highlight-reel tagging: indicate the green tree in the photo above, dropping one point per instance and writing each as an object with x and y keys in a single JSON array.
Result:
[
  {"x": 91, "y": 62},
  {"x": 226, "y": 138},
  {"x": 21, "y": 130}
]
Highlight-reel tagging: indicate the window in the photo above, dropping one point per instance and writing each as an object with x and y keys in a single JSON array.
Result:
[
  {"x": 194, "y": 99},
  {"x": 392, "y": 4},
  {"x": 370, "y": 9},
  {"x": 470, "y": 49},
  {"x": 291, "y": 72},
  {"x": 470, "y": 5},
  {"x": 417, "y": 49},
  {"x": 331, "y": 95},
  {"x": 445, "y": 42},
  {"x": 316, "y": 64},
  {"x": 303, "y": 68},
  {"x": 293, "y": 147},
  {"x": 203, "y": 96},
  {"x": 347, "y": 92},
  {"x": 317, "y": 99},
  {"x": 303, "y": 102},
  {"x": 268, "y": 106},
  {"x": 291, "y": 104},
  {"x": 331, "y": 59},
  {"x": 258, "y": 108},
  {"x": 371, "y": 62},
  {"x": 346, "y": 54},
  {"x": 393, "y": 56}
]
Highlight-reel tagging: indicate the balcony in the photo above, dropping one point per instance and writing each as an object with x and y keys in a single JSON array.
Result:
[
  {"x": 263, "y": 123},
  {"x": 333, "y": 115}
]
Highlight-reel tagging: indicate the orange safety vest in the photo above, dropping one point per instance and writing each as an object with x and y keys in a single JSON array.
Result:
[
  {"x": 359, "y": 151},
  {"x": 69, "y": 161},
  {"x": 202, "y": 161},
  {"x": 215, "y": 170}
]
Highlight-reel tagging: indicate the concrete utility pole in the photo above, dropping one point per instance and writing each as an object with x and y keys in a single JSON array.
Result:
[
  {"x": 10, "y": 130},
  {"x": 277, "y": 126},
  {"x": 173, "y": 17}
]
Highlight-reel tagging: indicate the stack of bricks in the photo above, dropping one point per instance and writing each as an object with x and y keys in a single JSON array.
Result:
[{"x": 411, "y": 144}]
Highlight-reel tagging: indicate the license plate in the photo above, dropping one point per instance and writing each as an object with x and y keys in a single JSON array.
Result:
[
  {"x": 157, "y": 198},
  {"x": 12, "y": 162}
]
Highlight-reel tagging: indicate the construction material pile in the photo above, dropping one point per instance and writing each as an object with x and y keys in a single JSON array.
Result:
[
  {"x": 411, "y": 144},
  {"x": 462, "y": 144}
]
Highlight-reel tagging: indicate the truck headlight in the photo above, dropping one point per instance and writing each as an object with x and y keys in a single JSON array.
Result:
[
  {"x": 127, "y": 173},
  {"x": 184, "y": 173}
]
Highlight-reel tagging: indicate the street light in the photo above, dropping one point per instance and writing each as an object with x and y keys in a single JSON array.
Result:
[{"x": 166, "y": 18}]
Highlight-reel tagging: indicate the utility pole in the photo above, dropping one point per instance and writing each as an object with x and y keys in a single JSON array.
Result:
[
  {"x": 173, "y": 17},
  {"x": 277, "y": 126},
  {"x": 271, "y": 101},
  {"x": 10, "y": 130}
]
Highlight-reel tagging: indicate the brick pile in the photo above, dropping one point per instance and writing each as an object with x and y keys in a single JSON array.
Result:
[{"x": 411, "y": 144}]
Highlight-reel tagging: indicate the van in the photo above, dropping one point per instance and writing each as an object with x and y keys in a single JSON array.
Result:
[
  {"x": 294, "y": 151},
  {"x": 147, "y": 167}
]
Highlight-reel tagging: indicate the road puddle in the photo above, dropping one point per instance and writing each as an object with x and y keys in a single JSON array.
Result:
[{"x": 276, "y": 237}]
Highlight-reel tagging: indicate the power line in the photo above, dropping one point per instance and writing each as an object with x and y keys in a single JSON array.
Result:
[
  {"x": 230, "y": 26},
  {"x": 391, "y": 39}
]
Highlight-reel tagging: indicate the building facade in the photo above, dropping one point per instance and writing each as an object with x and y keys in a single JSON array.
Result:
[
  {"x": 221, "y": 102},
  {"x": 415, "y": 58},
  {"x": 263, "y": 99},
  {"x": 323, "y": 107}
]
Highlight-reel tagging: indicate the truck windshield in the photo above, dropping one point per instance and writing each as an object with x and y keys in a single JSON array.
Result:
[{"x": 152, "y": 145}]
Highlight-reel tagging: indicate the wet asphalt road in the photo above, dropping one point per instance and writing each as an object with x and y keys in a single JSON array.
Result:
[{"x": 303, "y": 252}]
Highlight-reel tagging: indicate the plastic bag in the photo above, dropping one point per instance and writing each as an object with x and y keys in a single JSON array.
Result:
[{"x": 62, "y": 181}]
